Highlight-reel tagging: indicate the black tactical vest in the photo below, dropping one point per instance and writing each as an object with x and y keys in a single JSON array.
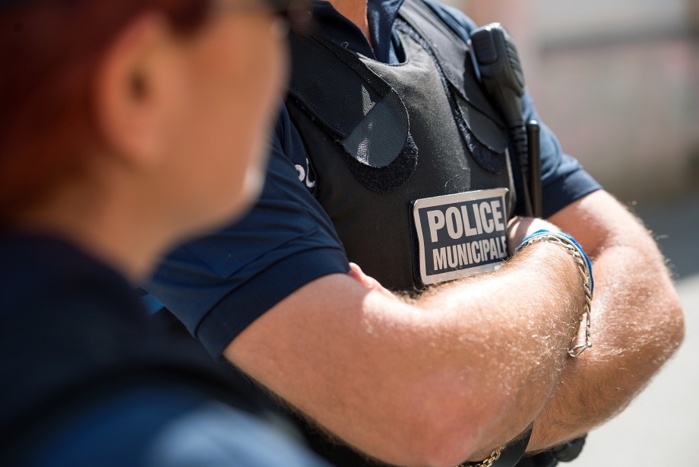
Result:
[{"x": 411, "y": 158}]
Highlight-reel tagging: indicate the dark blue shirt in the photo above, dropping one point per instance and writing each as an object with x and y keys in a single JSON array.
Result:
[
  {"x": 88, "y": 379},
  {"x": 220, "y": 284}
]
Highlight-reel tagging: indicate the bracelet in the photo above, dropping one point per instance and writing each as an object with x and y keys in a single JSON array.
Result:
[
  {"x": 585, "y": 268},
  {"x": 495, "y": 455}
]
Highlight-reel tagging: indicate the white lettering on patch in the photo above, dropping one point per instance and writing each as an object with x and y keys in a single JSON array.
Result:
[{"x": 461, "y": 235}]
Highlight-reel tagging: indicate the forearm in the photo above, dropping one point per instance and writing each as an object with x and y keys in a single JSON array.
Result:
[
  {"x": 637, "y": 324},
  {"x": 461, "y": 370},
  {"x": 520, "y": 336}
]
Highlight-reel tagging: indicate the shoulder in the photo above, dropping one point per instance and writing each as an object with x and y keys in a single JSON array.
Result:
[
  {"x": 164, "y": 425},
  {"x": 218, "y": 284},
  {"x": 461, "y": 24},
  {"x": 286, "y": 141}
]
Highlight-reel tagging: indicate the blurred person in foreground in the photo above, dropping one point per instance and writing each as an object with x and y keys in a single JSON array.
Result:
[
  {"x": 115, "y": 143},
  {"x": 390, "y": 154}
]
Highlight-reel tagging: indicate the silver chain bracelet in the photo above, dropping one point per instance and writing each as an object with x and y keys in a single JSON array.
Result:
[{"x": 585, "y": 269}]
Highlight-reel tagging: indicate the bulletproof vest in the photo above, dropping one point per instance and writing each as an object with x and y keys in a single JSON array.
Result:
[{"x": 411, "y": 159}]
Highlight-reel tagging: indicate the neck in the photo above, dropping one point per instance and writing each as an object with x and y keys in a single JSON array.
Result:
[
  {"x": 115, "y": 232},
  {"x": 356, "y": 12}
]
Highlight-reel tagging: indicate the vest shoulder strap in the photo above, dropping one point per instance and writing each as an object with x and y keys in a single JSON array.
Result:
[
  {"x": 350, "y": 102},
  {"x": 335, "y": 106},
  {"x": 450, "y": 51}
]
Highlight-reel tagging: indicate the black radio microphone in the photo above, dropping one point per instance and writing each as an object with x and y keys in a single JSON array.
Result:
[{"x": 497, "y": 65}]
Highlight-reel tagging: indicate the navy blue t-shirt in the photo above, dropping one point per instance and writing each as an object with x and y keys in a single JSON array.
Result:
[
  {"x": 220, "y": 284},
  {"x": 89, "y": 380}
]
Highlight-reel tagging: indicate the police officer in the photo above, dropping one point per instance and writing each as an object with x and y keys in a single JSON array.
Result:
[{"x": 389, "y": 153}]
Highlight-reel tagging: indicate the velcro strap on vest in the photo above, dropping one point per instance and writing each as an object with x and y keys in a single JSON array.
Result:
[{"x": 360, "y": 111}]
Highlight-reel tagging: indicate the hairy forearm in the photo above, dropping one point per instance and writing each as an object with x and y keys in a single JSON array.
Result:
[
  {"x": 517, "y": 340},
  {"x": 637, "y": 325},
  {"x": 459, "y": 371}
]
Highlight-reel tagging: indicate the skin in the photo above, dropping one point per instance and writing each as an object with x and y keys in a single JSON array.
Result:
[
  {"x": 637, "y": 320},
  {"x": 427, "y": 382},
  {"x": 466, "y": 368},
  {"x": 165, "y": 162}
]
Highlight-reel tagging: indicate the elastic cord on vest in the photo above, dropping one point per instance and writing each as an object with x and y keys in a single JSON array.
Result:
[{"x": 585, "y": 269}]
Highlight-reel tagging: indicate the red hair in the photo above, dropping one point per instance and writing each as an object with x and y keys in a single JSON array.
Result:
[{"x": 49, "y": 53}]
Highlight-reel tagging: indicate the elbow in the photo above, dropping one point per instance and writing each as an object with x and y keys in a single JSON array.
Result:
[
  {"x": 665, "y": 331},
  {"x": 676, "y": 324},
  {"x": 442, "y": 441},
  {"x": 429, "y": 426},
  {"x": 450, "y": 434},
  {"x": 433, "y": 432},
  {"x": 466, "y": 440},
  {"x": 457, "y": 422}
]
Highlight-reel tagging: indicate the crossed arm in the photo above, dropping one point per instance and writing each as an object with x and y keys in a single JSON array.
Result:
[
  {"x": 636, "y": 318},
  {"x": 471, "y": 364},
  {"x": 428, "y": 382}
]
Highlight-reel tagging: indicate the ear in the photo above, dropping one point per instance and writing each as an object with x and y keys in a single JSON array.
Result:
[{"x": 137, "y": 91}]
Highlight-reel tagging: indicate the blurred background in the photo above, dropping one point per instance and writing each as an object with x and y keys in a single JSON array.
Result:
[{"x": 618, "y": 82}]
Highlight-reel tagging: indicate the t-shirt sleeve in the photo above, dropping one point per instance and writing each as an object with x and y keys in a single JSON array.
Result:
[
  {"x": 219, "y": 284},
  {"x": 563, "y": 179}
]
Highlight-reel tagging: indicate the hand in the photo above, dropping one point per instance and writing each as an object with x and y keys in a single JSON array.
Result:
[
  {"x": 357, "y": 274},
  {"x": 520, "y": 227}
]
